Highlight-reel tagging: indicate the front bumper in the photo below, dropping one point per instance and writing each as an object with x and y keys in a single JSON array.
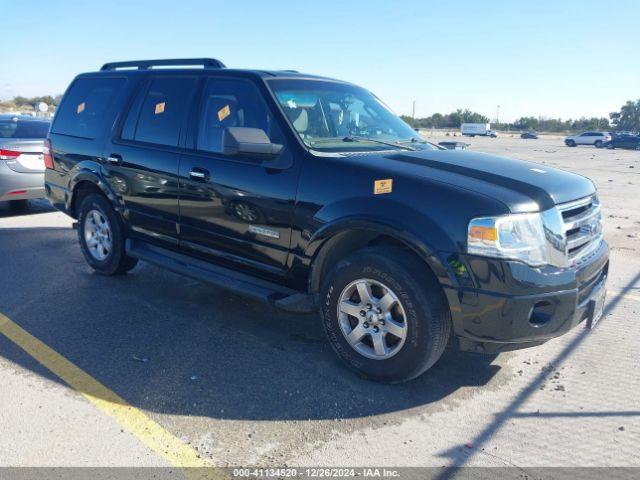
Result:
[
  {"x": 508, "y": 305},
  {"x": 20, "y": 186}
]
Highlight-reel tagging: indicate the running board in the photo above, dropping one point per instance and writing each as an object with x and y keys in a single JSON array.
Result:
[{"x": 277, "y": 295}]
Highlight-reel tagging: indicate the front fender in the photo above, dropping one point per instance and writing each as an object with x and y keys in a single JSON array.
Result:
[{"x": 421, "y": 233}]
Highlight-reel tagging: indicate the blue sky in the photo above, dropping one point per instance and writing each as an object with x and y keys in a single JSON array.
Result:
[{"x": 550, "y": 58}]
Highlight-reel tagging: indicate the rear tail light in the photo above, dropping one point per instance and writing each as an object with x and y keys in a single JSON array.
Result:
[
  {"x": 46, "y": 153},
  {"x": 9, "y": 154}
]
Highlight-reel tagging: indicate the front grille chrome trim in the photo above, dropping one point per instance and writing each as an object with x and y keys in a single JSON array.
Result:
[{"x": 573, "y": 230}]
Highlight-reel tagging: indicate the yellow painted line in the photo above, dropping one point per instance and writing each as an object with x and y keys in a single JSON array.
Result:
[
  {"x": 619, "y": 293},
  {"x": 158, "y": 439}
]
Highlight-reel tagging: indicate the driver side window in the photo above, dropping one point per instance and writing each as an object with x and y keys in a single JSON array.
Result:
[{"x": 232, "y": 103}]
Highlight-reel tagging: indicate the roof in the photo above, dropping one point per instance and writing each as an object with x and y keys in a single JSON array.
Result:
[{"x": 137, "y": 67}]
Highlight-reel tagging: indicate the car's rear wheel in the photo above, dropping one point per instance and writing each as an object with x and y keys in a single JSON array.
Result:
[
  {"x": 101, "y": 236},
  {"x": 598, "y": 144},
  {"x": 18, "y": 204},
  {"x": 385, "y": 314}
]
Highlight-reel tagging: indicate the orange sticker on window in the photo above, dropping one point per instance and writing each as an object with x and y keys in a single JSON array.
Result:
[
  {"x": 224, "y": 112},
  {"x": 80, "y": 108},
  {"x": 159, "y": 108},
  {"x": 383, "y": 186}
]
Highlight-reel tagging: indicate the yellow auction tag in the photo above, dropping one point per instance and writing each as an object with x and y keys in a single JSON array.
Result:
[
  {"x": 224, "y": 112},
  {"x": 159, "y": 108},
  {"x": 80, "y": 108},
  {"x": 383, "y": 186}
]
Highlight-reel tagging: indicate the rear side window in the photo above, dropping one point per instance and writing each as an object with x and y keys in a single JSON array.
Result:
[
  {"x": 82, "y": 113},
  {"x": 161, "y": 116},
  {"x": 23, "y": 129}
]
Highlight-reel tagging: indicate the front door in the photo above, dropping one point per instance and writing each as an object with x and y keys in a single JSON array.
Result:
[{"x": 236, "y": 209}]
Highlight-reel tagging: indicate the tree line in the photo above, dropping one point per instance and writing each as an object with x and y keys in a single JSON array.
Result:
[
  {"x": 20, "y": 103},
  {"x": 626, "y": 119}
]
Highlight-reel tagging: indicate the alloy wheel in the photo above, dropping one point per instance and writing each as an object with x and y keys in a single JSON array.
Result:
[
  {"x": 97, "y": 235},
  {"x": 372, "y": 319}
]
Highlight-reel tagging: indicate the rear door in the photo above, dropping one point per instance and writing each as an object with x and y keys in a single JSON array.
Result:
[
  {"x": 235, "y": 209},
  {"x": 143, "y": 159}
]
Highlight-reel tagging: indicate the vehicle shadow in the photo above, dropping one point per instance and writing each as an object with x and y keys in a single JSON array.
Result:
[
  {"x": 512, "y": 410},
  {"x": 30, "y": 207},
  {"x": 171, "y": 345}
]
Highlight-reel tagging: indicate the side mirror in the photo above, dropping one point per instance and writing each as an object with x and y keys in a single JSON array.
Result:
[{"x": 248, "y": 141}]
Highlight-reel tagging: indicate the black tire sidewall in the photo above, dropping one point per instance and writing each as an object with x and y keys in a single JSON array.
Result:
[
  {"x": 419, "y": 351},
  {"x": 18, "y": 204},
  {"x": 111, "y": 264}
]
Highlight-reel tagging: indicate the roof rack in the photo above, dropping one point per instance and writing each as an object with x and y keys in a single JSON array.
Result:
[{"x": 147, "y": 64}]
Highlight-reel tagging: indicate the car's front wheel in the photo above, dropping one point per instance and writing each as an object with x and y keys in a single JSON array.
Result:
[
  {"x": 101, "y": 236},
  {"x": 385, "y": 314},
  {"x": 570, "y": 143}
]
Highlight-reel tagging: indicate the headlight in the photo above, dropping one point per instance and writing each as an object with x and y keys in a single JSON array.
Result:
[{"x": 518, "y": 237}]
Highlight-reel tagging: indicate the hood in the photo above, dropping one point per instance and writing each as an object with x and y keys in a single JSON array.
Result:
[{"x": 522, "y": 186}]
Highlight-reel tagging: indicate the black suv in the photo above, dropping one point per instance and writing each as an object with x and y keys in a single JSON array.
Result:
[
  {"x": 624, "y": 141},
  {"x": 307, "y": 192}
]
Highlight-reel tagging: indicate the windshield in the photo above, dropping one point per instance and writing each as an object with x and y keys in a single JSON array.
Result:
[
  {"x": 23, "y": 129},
  {"x": 337, "y": 117}
]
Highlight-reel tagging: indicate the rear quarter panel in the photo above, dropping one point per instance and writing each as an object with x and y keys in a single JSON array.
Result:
[{"x": 77, "y": 158}]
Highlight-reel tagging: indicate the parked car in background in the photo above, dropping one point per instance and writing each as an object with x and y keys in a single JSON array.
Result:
[
  {"x": 531, "y": 135},
  {"x": 22, "y": 151},
  {"x": 624, "y": 141},
  {"x": 480, "y": 129},
  {"x": 597, "y": 139}
]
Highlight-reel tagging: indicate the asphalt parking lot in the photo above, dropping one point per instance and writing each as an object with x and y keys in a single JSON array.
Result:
[{"x": 239, "y": 383}]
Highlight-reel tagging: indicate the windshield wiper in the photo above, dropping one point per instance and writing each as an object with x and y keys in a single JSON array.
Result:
[
  {"x": 356, "y": 138},
  {"x": 419, "y": 140}
]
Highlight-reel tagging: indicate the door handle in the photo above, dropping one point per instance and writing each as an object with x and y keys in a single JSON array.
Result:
[
  {"x": 114, "y": 159},
  {"x": 199, "y": 174}
]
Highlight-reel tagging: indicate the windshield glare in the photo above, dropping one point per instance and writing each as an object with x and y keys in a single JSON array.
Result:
[{"x": 335, "y": 117}]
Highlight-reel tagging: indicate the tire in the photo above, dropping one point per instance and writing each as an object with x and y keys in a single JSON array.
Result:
[
  {"x": 637, "y": 147},
  {"x": 598, "y": 144},
  {"x": 570, "y": 143},
  {"x": 18, "y": 205},
  {"x": 94, "y": 210},
  {"x": 420, "y": 307},
  {"x": 610, "y": 146}
]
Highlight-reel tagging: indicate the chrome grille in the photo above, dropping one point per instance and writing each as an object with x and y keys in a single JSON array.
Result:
[{"x": 582, "y": 220}]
